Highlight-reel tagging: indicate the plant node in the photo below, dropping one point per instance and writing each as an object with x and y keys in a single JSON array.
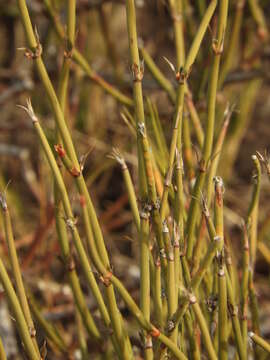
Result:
[
  {"x": 192, "y": 299},
  {"x": 141, "y": 129},
  {"x": 148, "y": 344},
  {"x": 29, "y": 109},
  {"x": 116, "y": 155},
  {"x": 182, "y": 75},
  {"x": 3, "y": 201},
  {"x": 60, "y": 150},
  {"x": 170, "y": 325},
  {"x": 137, "y": 71},
  {"x": 165, "y": 228},
  {"x": 32, "y": 331},
  {"x": 154, "y": 332},
  {"x": 34, "y": 53},
  {"x": 233, "y": 309},
  {"x": 106, "y": 279},
  {"x": 71, "y": 223}
]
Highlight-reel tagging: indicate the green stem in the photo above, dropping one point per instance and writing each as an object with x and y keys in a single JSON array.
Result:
[
  {"x": 17, "y": 273},
  {"x": 157, "y": 294},
  {"x": 145, "y": 279},
  {"x": 204, "y": 329},
  {"x": 164, "y": 83},
  {"x": 258, "y": 14},
  {"x": 129, "y": 186},
  {"x": 2, "y": 351},
  {"x": 234, "y": 317},
  {"x": 252, "y": 217},
  {"x": 260, "y": 341},
  {"x": 97, "y": 260},
  {"x": 222, "y": 289},
  {"x": 18, "y": 314},
  {"x": 83, "y": 63},
  {"x": 233, "y": 42},
  {"x": 182, "y": 76},
  {"x": 216, "y": 154},
  {"x": 209, "y": 133},
  {"x": 50, "y": 331},
  {"x": 222, "y": 315},
  {"x": 244, "y": 286},
  {"x": 177, "y": 16}
]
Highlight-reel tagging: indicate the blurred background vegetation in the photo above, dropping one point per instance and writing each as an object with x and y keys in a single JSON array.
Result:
[{"x": 97, "y": 123}]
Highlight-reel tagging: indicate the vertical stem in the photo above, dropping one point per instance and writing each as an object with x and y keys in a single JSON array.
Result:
[
  {"x": 233, "y": 42},
  {"x": 60, "y": 223},
  {"x": 209, "y": 133},
  {"x": 204, "y": 330},
  {"x": 222, "y": 289},
  {"x": 252, "y": 217},
  {"x": 222, "y": 315},
  {"x": 244, "y": 287},
  {"x": 145, "y": 279},
  {"x": 177, "y": 17},
  {"x": 143, "y": 148},
  {"x": 170, "y": 279},
  {"x": 71, "y": 23},
  {"x": 235, "y": 321},
  {"x": 2, "y": 351},
  {"x": 157, "y": 294},
  {"x": 18, "y": 314},
  {"x": 17, "y": 272}
]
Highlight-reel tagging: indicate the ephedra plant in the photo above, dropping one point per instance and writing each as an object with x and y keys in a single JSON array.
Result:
[{"x": 191, "y": 303}]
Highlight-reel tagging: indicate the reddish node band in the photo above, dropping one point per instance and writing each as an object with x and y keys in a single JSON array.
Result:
[
  {"x": 82, "y": 201},
  {"x": 60, "y": 150},
  {"x": 155, "y": 333},
  {"x": 75, "y": 172}
]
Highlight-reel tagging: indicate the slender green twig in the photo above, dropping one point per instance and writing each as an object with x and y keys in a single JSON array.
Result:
[
  {"x": 217, "y": 153},
  {"x": 35, "y": 54},
  {"x": 197, "y": 278},
  {"x": 18, "y": 314},
  {"x": 244, "y": 285},
  {"x": 129, "y": 186},
  {"x": 69, "y": 223},
  {"x": 209, "y": 133},
  {"x": 51, "y": 333},
  {"x": 233, "y": 310},
  {"x": 17, "y": 271},
  {"x": 83, "y": 63},
  {"x": 145, "y": 278},
  {"x": 222, "y": 315},
  {"x": 2, "y": 351},
  {"x": 143, "y": 145},
  {"x": 114, "y": 314},
  {"x": 176, "y": 7},
  {"x": 106, "y": 275},
  {"x": 253, "y": 210},
  {"x": 158, "y": 75},
  {"x": 182, "y": 76},
  {"x": 157, "y": 294},
  {"x": 254, "y": 308},
  {"x": 259, "y": 17},
  {"x": 233, "y": 42},
  {"x": 260, "y": 341},
  {"x": 204, "y": 329},
  {"x": 171, "y": 289},
  {"x": 222, "y": 289}
]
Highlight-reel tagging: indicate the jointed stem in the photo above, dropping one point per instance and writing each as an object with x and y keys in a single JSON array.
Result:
[
  {"x": 209, "y": 133},
  {"x": 18, "y": 314},
  {"x": 17, "y": 272}
]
